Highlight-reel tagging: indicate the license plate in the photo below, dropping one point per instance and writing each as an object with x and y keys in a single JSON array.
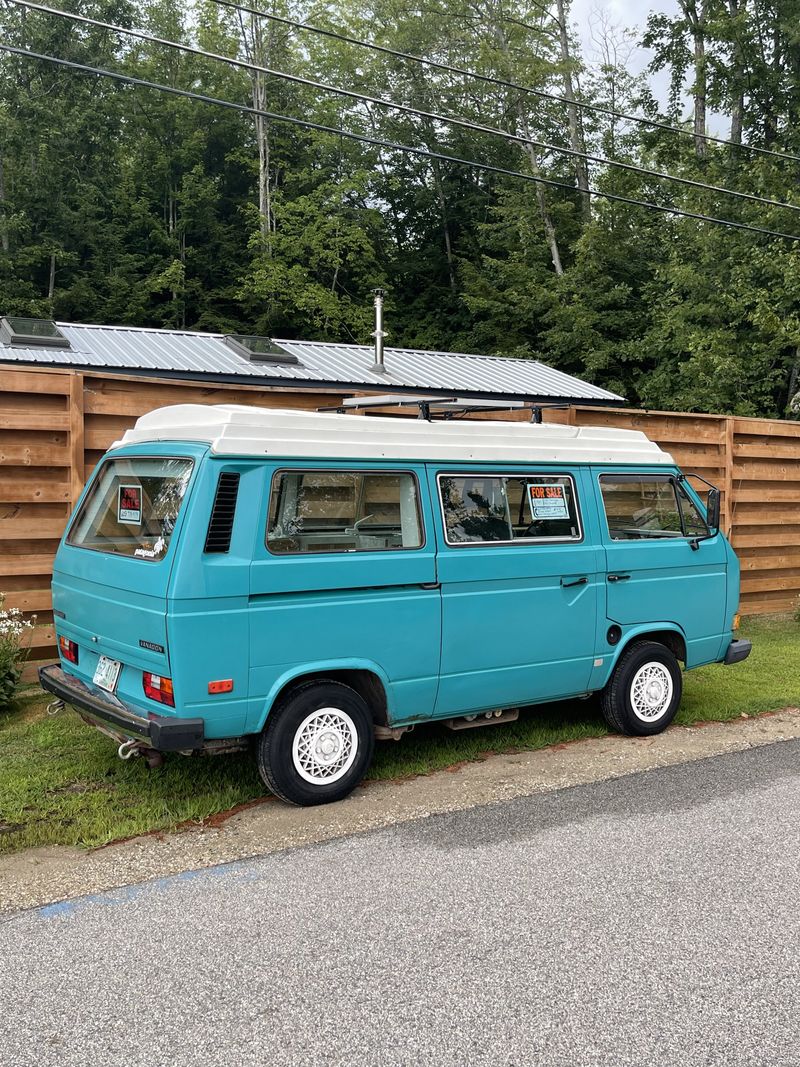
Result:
[{"x": 106, "y": 673}]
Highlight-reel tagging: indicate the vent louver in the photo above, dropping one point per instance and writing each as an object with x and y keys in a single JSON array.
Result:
[{"x": 220, "y": 527}]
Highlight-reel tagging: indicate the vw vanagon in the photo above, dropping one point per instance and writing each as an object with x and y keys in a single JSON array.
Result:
[{"x": 303, "y": 583}]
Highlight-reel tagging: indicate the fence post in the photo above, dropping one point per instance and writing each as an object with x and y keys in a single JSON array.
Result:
[
  {"x": 76, "y": 436},
  {"x": 728, "y": 482}
]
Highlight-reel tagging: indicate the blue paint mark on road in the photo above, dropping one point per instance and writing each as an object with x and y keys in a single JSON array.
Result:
[{"x": 112, "y": 897}]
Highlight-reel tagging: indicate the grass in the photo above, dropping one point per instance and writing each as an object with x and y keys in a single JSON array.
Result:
[{"x": 61, "y": 782}]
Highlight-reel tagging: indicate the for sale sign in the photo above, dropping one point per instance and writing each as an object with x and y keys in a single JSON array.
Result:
[
  {"x": 129, "y": 505},
  {"x": 548, "y": 501}
]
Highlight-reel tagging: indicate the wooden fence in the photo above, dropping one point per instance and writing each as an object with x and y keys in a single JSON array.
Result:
[{"x": 56, "y": 424}]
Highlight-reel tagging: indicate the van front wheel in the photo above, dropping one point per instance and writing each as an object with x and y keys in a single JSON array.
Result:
[
  {"x": 317, "y": 744},
  {"x": 645, "y": 689}
]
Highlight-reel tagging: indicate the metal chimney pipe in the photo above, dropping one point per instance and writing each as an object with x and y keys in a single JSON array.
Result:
[{"x": 378, "y": 366}]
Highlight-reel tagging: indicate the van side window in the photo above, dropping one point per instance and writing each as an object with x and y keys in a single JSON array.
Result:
[
  {"x": 343, "y": 511},
  {"x": 648, "y": 506},
  {"x": 521, "y": 508}
]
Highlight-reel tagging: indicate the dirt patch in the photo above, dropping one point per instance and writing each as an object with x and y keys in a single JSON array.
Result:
[
  {"x": 45, "y": 875},
  {"x": 78, "y": 788}
]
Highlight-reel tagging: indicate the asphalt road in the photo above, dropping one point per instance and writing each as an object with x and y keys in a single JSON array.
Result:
[{"x": 650, "y": 920}]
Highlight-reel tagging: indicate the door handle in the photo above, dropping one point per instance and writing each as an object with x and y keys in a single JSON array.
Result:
[
  {"x": 618, "y": 577},
  {"x": 567, "y": 583}
]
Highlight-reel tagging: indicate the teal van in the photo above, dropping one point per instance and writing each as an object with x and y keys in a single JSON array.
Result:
[{"x": 304, "y": 583}]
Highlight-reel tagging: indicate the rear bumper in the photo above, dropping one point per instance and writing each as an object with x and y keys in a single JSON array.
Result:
[
  {"x": 737, "y": 651},
  {"x": 158, "y": 732}
]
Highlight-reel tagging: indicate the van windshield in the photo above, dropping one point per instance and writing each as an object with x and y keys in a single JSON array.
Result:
[{"x": 132, "y": 507}]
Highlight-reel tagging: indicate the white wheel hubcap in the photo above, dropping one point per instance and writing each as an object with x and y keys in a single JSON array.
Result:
[
  {"x": 325, "y": 746},
  {"x": 651, "y": 692}
]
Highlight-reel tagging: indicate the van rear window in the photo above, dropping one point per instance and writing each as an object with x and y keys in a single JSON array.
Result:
[{"x": 132, "y": 507}]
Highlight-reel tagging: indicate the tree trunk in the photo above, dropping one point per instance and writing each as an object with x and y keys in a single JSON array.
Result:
[
  {"x": 735, "y": 8},
  {"x": 524, "y": 129},
  {"x": 262, "y": 139},
  {"x": 448, "y": 244},
  {"x": 793, "y": 396},
  {"x": 576, "y": 140},
  {"x": 4, "y": 241},
  {"x": 700, "y": 95},
  {"x": 771, "y": 111},
  {"x": 51, "y": 286},
  {"x": 183, "y": 276},
  {"x": 398, "y": 229},
  {"x": 737, "y": 119},
  {"x": 257, "y": 51},
  {"x": 696, "y": 19},
  {"x": 421, "y": 99},
  {"x": 541, "y": 200}
]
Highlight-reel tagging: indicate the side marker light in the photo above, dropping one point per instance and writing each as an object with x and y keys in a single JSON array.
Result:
[{"x": 224, "y": 685}]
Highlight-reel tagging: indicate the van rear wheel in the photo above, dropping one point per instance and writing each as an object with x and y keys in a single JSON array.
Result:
[
  {"x": 317, "y": 744},
  {"x": 645, "y": 689}
]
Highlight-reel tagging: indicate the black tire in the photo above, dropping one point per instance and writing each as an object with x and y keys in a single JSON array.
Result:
[
  {"x": 619, "y": 702},
  {"x": 350, "y": 724}
]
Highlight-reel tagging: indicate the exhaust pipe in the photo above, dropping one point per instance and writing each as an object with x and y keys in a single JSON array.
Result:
[{"x": 378, "y": 366}]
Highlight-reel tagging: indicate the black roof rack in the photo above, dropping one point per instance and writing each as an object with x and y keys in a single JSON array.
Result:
[{"x": 445, "y": 407}]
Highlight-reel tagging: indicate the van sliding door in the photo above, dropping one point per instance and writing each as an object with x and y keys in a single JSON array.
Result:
[
  {"x": 344, "y": 575},
  {"x": 519, "y": 567}
]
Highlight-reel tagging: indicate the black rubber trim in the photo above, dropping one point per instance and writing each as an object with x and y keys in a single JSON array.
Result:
[
  {"x": 738, "y": 650},
  {"x": 161, "y": 733}
]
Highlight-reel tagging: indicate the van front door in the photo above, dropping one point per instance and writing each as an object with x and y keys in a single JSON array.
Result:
[
  {"x": 654, "y": 575},
  {"x": 519, "y": 567}
]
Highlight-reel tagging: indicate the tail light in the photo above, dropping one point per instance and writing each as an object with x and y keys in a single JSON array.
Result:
[
  {"x": 69, "y": 649},
  {"x": 159, "y": 688}
]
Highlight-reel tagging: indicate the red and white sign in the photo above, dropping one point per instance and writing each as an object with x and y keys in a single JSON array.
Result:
[{"x": 129, "y": 505}]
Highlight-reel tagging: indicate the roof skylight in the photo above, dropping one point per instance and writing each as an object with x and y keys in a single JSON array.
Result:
[
  {"x": 259, "y": 349},
  {"x": 31, "y": 333}
]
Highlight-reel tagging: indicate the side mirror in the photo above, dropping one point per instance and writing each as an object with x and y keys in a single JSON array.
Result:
[{"x": 712, "y": 509}]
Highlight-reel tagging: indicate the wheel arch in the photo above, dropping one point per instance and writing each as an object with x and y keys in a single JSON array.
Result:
[
  {"x": 668, "y": 634},
  {"x": 367, "y": 679}
]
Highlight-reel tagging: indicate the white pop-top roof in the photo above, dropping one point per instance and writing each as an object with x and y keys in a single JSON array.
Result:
[{"x": 234, "y": 430}]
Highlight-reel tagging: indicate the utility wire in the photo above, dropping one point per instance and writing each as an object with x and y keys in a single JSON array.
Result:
[
  {"x": 424, "y": 153},
  {"x": 489, "y": 79},
  {"x": 406, "y": 108}
]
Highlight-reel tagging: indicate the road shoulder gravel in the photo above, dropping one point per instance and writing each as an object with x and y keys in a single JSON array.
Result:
[{"x": 47, "y": 875}]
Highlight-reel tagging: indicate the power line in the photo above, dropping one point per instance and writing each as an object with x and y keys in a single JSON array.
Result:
[
  {"x": 489, "y": 79},
  {"x": 406, "y": 108},
  {"x": 378, "y": 142}
]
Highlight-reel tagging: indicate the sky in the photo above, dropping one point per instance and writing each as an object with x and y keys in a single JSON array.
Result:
[{"x": 588, "y": 15}]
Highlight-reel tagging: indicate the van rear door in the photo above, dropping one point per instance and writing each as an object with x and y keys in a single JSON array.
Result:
[{"x": 111, "y": 573}]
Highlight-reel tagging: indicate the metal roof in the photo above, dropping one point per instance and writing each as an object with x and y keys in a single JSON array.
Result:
[{"x": 186, "y": 354}]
